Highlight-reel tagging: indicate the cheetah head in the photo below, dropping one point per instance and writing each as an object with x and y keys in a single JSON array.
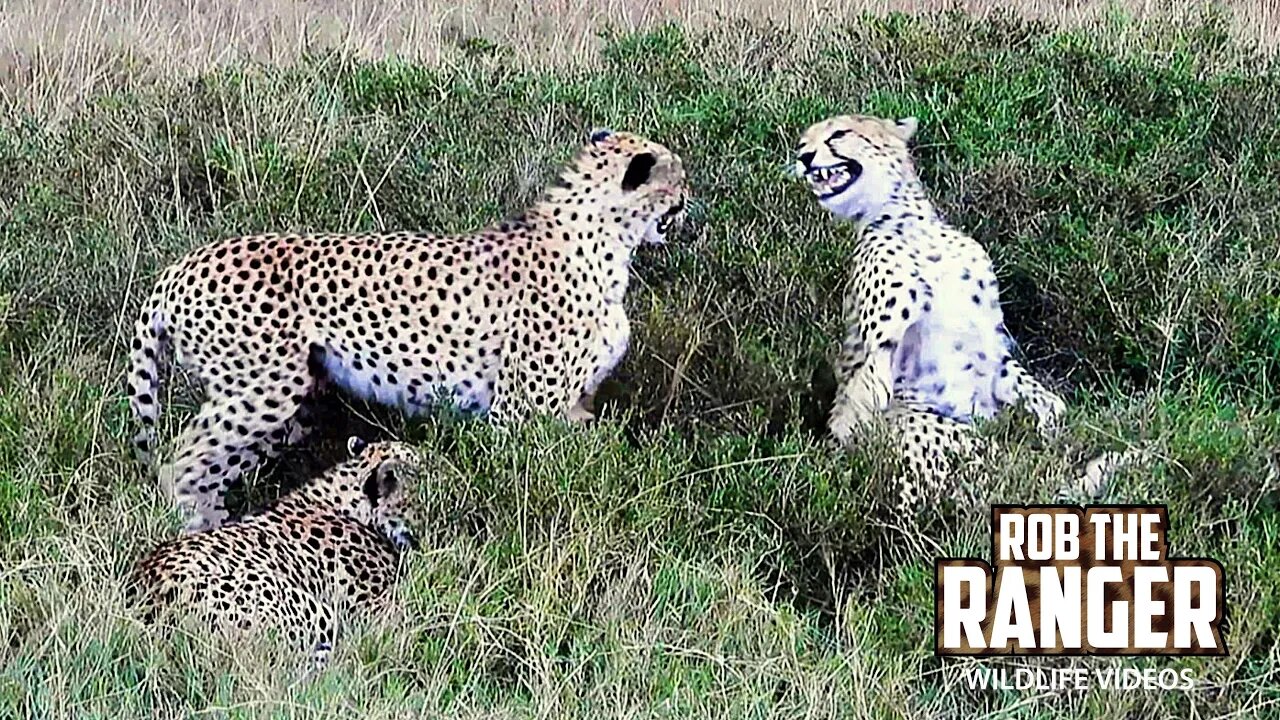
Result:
[
  {"x": 373, "y": 487},
  {"x": 855, "y": 163},
  {"x": 626, "y": 179}
]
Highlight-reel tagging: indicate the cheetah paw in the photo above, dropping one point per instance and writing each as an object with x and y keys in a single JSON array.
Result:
[
  {"x": 841, "y": 432},
  {"x": 198, "y": 523},
  {"x": 1093, "y": 482},
  {"x": 320, "y": 656},
  {"x": 1049, "y": 417},
  {"x": 580, "y": 414},
  {"x": 844, "y": 424}
]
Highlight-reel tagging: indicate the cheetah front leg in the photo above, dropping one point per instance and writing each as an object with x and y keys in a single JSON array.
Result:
[
  {"x": 1015, "y": 385},
  {"x": 887, "y": 296},
  {"x": 880, "y": 314},
  {"x": 866, "y": 387},
  {"x": 551, "y": 380},
  {"x": 613, "y": 336},
  {"x": 522, "y": 392},
  {"x": 324, "y": 627},
  {"x": 525, "y": 388}
]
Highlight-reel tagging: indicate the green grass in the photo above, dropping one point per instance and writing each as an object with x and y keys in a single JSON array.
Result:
[{"x": 699, "y": 551}]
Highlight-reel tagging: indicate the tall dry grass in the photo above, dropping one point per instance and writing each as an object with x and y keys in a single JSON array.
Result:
[{"x": 53, "y": 53}]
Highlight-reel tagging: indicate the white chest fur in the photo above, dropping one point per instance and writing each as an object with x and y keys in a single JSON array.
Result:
[
  {"x": 615, "y": 337},
  {"x": 613, "y": 329},
  {"x": 950, "y": 358}
]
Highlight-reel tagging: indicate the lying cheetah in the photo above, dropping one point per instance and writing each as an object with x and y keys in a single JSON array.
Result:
[
  {"x": 325, "y": 550},
  {"x": 523, "y": 317},
  {"x": 926, "y": 347}
]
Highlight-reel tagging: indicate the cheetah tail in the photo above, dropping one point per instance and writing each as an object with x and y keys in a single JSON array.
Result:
[{"x": 148, "y": 347}]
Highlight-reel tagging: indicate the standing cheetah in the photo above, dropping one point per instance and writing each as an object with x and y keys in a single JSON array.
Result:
[
  {"x": 926, "y": 347},
  {"x": 524, "y": 317}
]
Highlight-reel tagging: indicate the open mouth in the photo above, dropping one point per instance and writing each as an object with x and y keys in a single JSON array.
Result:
[
  {"x": 670, "y": 217},
  {"x": 829, "y": 181}
]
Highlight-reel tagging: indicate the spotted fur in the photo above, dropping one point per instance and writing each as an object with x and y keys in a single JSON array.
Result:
[
  {"x": 926, "y": 347},
  {"x": 317, "y": 555},
  {"x": 525, "y": 317}
]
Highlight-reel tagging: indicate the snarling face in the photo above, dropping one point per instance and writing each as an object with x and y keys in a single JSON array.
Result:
[
  {"x": 853, "y": 164},
  {"x": 631, "y": 181}
]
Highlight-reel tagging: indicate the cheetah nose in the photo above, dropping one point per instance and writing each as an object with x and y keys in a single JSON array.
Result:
[
  {"x": 806, "y": 159},
  {"x": 404, "y": 539}
]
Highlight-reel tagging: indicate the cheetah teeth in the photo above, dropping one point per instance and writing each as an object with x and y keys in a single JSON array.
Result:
[{"x": 824, "y": 179}]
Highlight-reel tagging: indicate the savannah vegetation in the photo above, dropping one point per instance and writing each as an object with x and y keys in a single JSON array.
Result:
[{"x": 700, "y": 551}]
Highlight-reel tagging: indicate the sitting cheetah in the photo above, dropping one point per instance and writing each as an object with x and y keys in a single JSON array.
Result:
[
  {"x": 926, "y": 347},
  {"x": 326, "y": 549},
  {"x": 523, "y": 317}
]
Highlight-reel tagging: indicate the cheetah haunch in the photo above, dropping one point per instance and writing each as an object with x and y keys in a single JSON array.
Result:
[{"x": 524, "y": 317}]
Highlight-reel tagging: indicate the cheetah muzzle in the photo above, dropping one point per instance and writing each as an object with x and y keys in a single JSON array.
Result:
[{"x": 829, "y": 181}]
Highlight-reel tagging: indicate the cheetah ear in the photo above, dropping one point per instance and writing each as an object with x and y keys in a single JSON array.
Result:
[
  {"x": 905, "y": 128},
  {"x": 355, "y": 446},
  {"x": 600, "y": 134},
  {"x": 638, "y": 171}
]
